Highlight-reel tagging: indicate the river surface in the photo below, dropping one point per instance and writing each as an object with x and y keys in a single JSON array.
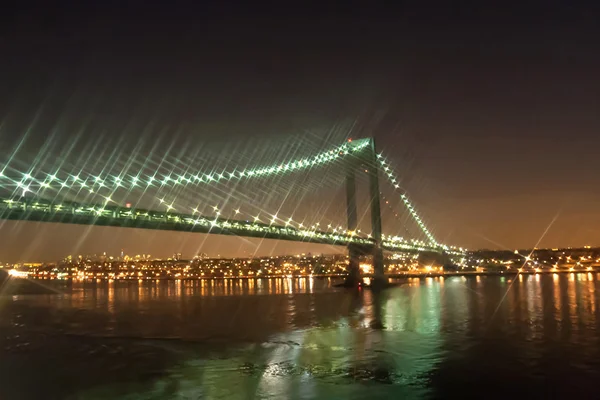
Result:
[{"x": 456, "y": 337}]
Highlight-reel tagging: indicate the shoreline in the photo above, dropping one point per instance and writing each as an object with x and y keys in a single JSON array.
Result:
[{"x": 322, "y": 276}]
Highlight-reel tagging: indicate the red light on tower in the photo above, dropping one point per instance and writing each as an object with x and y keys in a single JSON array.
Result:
[
  {"x": 349, "y": 140},
  {"x": 128, "y": 205}
]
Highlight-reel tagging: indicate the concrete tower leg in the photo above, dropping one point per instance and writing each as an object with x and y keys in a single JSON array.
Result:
[
  {"x": 378, "y": 262},
  {"x": 353, "y": 268}
]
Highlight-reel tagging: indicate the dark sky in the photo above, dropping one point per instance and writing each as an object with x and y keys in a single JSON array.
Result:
[{"x": 490, "y": 112}]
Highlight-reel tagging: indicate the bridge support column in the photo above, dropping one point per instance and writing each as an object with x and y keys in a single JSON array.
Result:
[
  {"x": 378, "y": 261},
  {"x": 353, "y": 254}
]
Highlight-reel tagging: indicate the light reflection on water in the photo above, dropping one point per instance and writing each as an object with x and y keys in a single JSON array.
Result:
[{"x": 303, "y": 338}]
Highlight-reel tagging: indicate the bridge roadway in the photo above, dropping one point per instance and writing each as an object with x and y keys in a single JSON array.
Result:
[{"x": 109, "y": 215}]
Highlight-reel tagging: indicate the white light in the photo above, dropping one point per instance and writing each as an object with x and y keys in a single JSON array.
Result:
[{"x": 17, "y": 274}]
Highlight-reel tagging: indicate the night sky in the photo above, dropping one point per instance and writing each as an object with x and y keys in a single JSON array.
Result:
[{"x": 491, "y": 114}]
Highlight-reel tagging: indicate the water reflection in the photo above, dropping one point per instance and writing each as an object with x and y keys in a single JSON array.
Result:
[{"x": 287, "y": 338}]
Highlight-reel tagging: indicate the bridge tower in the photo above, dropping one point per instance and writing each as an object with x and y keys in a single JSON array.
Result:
[{"x": 368, "y": 157}]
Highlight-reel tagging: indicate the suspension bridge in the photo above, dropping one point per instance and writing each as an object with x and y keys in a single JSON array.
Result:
[{"x": 33, "y": 197}]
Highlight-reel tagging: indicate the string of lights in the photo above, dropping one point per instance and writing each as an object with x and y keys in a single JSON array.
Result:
[
  {"x": 58, "y": 179},
  {"x": 389, "y": 173}
]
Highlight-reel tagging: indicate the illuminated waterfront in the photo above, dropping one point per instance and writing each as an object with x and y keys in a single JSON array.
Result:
[
  {"x": 302, "y": 338},
  {"x": 124, "y": 267}
]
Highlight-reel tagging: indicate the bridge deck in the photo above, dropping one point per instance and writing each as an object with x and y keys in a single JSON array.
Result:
[{"x": 109, "y": 215}]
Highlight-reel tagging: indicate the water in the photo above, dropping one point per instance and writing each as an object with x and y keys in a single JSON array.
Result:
[{"x": 476, "y": 337}]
